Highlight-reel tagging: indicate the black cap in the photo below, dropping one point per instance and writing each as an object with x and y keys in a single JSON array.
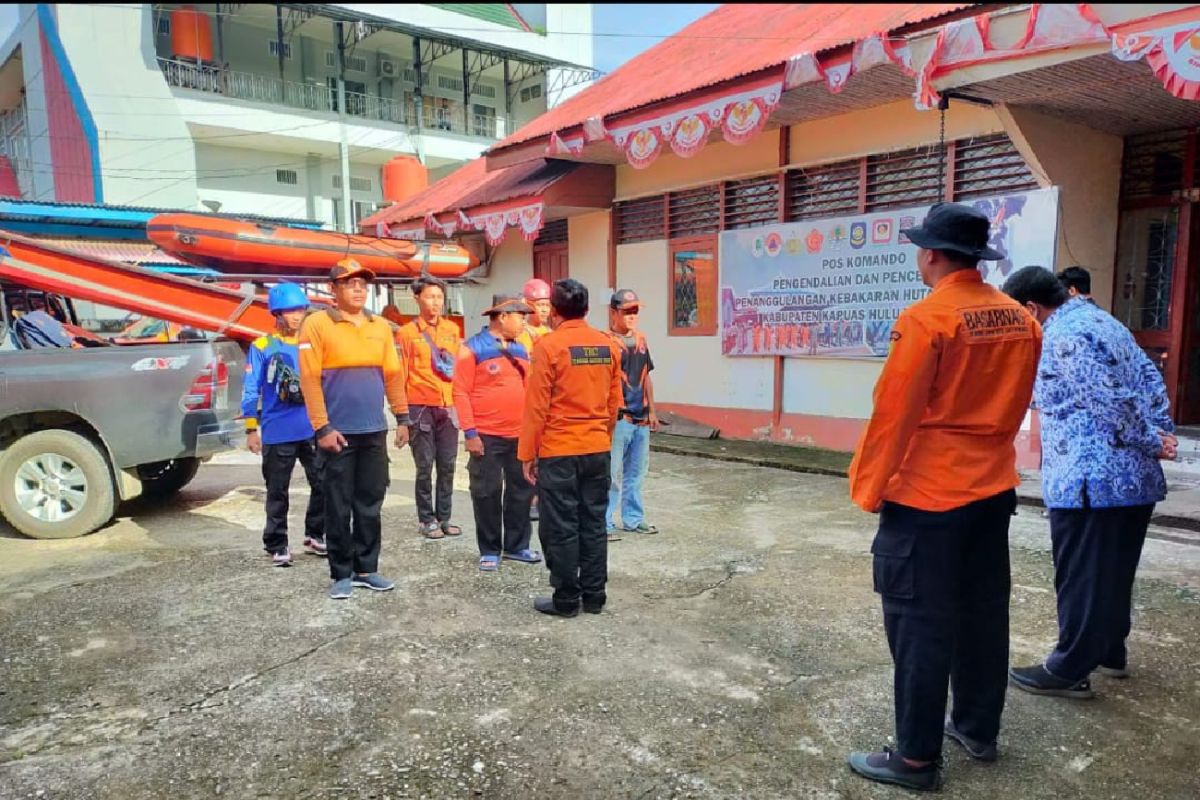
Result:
[
  {"x": 955, "y": 227},
  {"x": 623, "y": 299}
]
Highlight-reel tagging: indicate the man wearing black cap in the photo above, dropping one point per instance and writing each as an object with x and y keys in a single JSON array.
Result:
[
  {"x": 489, "y": 396},
  {"x": 631, "y": 437},
  {"x": 348, "y": 364},
  {"x": 937, "y": 463}
]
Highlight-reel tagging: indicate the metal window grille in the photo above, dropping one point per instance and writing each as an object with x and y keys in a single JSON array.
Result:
[
  {"x": 694, "y": 212},
  {"x": 989, "y": 165},
  {"x": 639, "y": 220},
  {"x": 483, "y": 90},
  {"x": 906, "y": 178},
  {"x": 287, "y": 176},
  {"x": 750, "y": 202},
  {"x": 827, "y": 190},
  {"x": 356, "y": 184},
  {"x": 353, "y": 63},
  {"x": 553, "y": 232},
  {"x": 452, "y": 84},
  {"x": 273, "y": 48},
  {"x": 1153, "y": 165}
]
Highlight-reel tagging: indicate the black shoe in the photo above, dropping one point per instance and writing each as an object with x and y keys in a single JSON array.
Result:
[
  {"x": 593, "y": 608},
  {"x": 1039, "y": 680},
  {"x": 888, "y": 767},
  {"x": 1120, "y": 673},
  {"x": 980, "y": 751},
  {"x": 546, "y": 606}
]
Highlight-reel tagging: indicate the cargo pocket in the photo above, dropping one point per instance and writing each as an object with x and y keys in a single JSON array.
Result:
[{"x": 894, "y": 572}]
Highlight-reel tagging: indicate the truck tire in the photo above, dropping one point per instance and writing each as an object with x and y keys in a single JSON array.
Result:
[
  {"x": 164, "y": 478},
  {"x": 56, "y": 484}
]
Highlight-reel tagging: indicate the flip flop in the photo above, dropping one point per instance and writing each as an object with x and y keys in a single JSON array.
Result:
[
  {"x": 489, "y": 563},
  {"x": 430, "y": 531},
  {"x": 525, "y": 556},
  {"x": 451, "y": 530}
]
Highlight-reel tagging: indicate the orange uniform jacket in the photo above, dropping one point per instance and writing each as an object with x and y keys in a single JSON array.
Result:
[
  {"x": 489, "y": 386},
  {"x": 950, "y": 400},
  {"x": 346, "y": 370},
  {"x": 574, "y": 394},
  {"x": 424, "y": 386}
]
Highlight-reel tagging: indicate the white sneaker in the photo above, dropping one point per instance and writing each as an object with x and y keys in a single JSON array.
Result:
[{"x": 283, "y": 559}]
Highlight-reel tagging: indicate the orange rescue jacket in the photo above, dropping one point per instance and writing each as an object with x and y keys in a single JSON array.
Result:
[
  {"x": 950, "y": 400},
  {"x": 425, "y": 387}
]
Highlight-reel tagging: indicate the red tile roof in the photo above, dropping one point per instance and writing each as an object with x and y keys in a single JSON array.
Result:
[
  {"x": 128, "y": 251},
  {"x": 735, "y": 39},
  {"x": 472, "y": 186}
]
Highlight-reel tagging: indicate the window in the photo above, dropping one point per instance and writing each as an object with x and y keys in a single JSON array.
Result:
[
  {"x": 827, "y": 190},
  {"x": 164, "y": 24},
  {"x": 693, "y": 289},
  {"x": 906, "y": 178},
  {"x": 353, "y": 63},
  {"x": 531, "y": 93},
  {"x": 693, "y": 212},
  {"x": 989, "y": 165},
  {"x": 483, "y": 90},
  {"x": 754, "y": 201},
  {"x": 359, "y": 210},
  {"x": 356, "y": 184},
  {"x": 639, "y": 220},
  {"x": 450, "y": 84},
  {"x": 553, "y": 232},
  {"x": 410, "y": 75},
  {"x": 287, "y": 176},
  {"x": 273, "y": 48}
]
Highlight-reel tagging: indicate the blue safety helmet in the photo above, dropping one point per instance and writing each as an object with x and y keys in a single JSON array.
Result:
[{"x": 286, "y": 297}]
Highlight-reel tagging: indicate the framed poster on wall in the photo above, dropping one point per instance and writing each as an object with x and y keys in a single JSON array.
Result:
[{"x": 834, "y": 287}]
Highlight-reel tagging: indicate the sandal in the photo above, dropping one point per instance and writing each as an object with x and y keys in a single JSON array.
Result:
[
  {"x": 430, "y": 530},
  {"x": 614, "y": 534},
  {"x": 489, "y": 563},
  {"x": 525, "y": 556},
  {"x": 451, "y": 530}
]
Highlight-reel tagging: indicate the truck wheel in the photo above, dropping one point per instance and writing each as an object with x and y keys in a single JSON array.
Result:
[
  {"x": 55, "y": 484},
  {"x": 164, "y": 478}
]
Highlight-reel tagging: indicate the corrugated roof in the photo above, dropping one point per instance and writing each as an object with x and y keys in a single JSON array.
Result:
[
  {"x": 498, "y": 13},
  {"x": 124, "y": 250},
  {"x": 472, "y": 186},
  {"x": 735, "y": 39}
]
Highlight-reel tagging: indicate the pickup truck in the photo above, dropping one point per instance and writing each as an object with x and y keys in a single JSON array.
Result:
[{"x": 82, "y": 428}]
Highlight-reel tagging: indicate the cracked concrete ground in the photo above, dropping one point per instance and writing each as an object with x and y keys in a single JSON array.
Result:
[{"x": 741, "y": 656}]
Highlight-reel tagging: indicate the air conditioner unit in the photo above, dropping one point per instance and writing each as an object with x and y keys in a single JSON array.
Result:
[{"x": 388, "y": 69}]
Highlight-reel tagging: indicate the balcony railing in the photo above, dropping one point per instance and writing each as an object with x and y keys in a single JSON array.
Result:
[{"x": 321, "y": 97}]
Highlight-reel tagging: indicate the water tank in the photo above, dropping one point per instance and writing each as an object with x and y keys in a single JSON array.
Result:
[
  {"x": 191, "y": 35},
  {"x": 403, "y": 177}
]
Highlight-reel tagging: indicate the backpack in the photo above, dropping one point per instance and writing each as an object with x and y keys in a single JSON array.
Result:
[{"x": 283, "y": 376}]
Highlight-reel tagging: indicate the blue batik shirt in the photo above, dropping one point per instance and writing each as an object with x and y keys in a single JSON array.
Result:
[{"x": 1101, "y": 403}]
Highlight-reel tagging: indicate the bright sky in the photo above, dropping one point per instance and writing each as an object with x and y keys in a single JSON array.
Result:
[{"x": 622, "y": 30}]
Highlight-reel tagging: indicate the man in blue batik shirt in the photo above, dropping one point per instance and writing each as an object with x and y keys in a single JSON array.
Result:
[{"x": 1106, "y": 424}]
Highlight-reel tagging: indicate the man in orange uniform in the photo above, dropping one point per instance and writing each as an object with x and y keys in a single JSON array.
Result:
[
  {"x": 566, "y": 435},
  {"x": 537, "y": 296},
  {"x": 348, "y": 364},
  {"x": 429, "y": 347},
  {"x": 489, "y": 395},
  {"x": 937, "y": 462}
]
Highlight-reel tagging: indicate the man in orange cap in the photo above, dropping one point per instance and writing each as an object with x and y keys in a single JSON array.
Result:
[
  {"x": 937, "y": 463},
  {"x": 348, "y": 365},
  {"x": 489, "y": 395},
  {"x": 429, "y": 348}
]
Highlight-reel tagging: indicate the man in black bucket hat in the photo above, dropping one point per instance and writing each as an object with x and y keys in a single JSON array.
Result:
[{"x": 936, "y": 462}]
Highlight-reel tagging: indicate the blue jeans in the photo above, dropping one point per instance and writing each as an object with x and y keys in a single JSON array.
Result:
[{"x": 630, "y": 461}]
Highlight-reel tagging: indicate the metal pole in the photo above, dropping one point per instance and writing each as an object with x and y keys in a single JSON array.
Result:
[
  {"x": 507, "y": 98},
  {"x": 220, "y": 39},
  {"x": 466, "y": 94},
  {"x": 418, "y": 98},
  {"x": 343, "y": 145},
  {"x": 279, "y": 46}
]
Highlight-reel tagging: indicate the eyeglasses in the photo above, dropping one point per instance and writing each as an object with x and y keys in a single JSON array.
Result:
[
  {"x": 631, "y": 310},
  {"x": 353, "y": 283}
]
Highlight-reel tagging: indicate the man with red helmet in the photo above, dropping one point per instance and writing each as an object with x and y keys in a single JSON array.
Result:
[{"x": 537, "y": 295}]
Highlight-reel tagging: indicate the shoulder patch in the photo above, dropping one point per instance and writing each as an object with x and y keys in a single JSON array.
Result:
[
  {"x": 262, "y": 342},
  {"x": 986, "y": 324}
]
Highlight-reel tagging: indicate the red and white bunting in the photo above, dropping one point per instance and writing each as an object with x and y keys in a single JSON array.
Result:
[
  {"x": 445, "y": 229},
  {"x": 559, "y": 146},
  {"x": 1173, "y": 53},
  {"x": 740, "y": 116},
  {"x": 416, "y": 234},
  {"x": 873, "y": 51}
]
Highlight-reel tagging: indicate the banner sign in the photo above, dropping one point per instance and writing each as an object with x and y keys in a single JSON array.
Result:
[{"x": 834, "y": 287}]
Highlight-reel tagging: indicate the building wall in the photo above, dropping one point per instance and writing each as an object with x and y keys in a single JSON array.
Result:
[{"x": 587, "y": 255}]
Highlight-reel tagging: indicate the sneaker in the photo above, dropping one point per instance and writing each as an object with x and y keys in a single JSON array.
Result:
[
  {"x": 315, "y": 547},
  {"x": 1120, "y": 673},
  {"x": 980, "y": 751},
  {"x": 643, "y": 527},
  {"x": 341, "y": 589},
  {"x": 282, "y": 559},
  {"x": 887, "y": 766},
  {"x": 374, "y": 581},
  {"x": 1039, "y": 680}
]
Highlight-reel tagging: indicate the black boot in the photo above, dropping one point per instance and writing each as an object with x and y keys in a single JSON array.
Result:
[{"x": 546, "y": 606}]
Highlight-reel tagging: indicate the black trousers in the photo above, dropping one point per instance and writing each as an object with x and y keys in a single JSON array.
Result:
[
  {"x": 356, "y": 480},
  {"x": 500, "y": 496},
  {"x": 572, "y": 498},
  {"x": 278, "y": 461},
  {"x": 1096, "y": 554},
  {"x": 945, "y": 583},
  {"x": 434, "y": 441}
]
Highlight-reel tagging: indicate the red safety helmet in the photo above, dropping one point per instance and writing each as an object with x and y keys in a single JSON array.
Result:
[{"x": 536, "y": 289}]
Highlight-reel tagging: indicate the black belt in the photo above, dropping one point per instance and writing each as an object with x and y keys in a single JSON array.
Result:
[{"x": 631, "y": 418}]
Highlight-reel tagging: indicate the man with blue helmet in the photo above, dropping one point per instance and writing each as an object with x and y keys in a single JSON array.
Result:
[{"x": 277, "y": 425}]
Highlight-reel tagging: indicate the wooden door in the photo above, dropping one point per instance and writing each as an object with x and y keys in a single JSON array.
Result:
[{"x": 550, "y": 262}]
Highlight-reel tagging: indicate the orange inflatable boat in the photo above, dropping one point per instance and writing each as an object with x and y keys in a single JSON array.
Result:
[{"x": 248, "y": 248}]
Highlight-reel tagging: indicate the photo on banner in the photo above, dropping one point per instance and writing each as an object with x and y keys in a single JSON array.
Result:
[{"x": 833, "y": 288}]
